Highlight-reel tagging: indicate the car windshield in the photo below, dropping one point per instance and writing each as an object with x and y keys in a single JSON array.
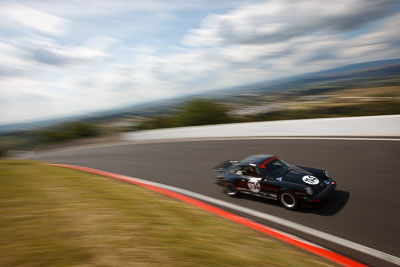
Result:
[{"x": 275, "y": 168}]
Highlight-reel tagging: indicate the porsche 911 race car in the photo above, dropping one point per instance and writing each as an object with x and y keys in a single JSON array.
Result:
[{"x": 270, "y": 177}]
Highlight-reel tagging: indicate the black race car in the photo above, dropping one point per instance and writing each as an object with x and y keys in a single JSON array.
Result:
[{"x": 270, "y": 177}]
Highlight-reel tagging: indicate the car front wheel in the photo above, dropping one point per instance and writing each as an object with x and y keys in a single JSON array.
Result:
[
  {"x": 230, "y": 190},
  {"x": 288, "y": 200}
]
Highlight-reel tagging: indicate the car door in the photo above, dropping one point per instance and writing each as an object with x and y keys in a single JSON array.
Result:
[
  {"x": 252, "y": 178},
  {"x": 239, "y": 180},
  {"x": 270, "y": 187}
]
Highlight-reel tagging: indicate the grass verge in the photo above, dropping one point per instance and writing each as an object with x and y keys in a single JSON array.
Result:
[{"x": 51, "y": 216}]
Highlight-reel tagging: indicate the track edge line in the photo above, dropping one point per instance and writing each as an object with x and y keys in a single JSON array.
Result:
[{"x": 287, "y": 238}]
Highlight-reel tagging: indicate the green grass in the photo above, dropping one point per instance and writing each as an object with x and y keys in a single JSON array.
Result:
[{"x": 52, "y": 216}]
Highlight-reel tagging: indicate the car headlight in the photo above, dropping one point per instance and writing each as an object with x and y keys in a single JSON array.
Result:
[
  {"x": 327, "y": 174},
  {"x": 309, "y": 190}
]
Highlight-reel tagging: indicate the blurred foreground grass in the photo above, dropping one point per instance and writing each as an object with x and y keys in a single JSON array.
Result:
[{"x": 51, "y": 216}]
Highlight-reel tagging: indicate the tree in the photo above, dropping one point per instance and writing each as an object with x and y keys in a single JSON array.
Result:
[
  {"x": 159, "y": 122},
  {"x": 202, "y": 112},
  {"x": 3, "y": 151},
  {"x": 68, "y": 131},
  {"x": 82, "y": 129}
]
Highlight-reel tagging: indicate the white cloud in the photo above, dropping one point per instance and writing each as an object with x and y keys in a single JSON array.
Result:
[
  {"x": 33, "y": 19},
  {"x": 30, "y": 56},
  {"x": 12, "y": 62},
  {"x": 46, "y": 51},
  {"x": 44, "y": 74},
  {"x": 280, "y": 20},
  {"x": 96, "y": 8}
]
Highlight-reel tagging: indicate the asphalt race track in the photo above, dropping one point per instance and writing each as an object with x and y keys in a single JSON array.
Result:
[{"x": 365, "y": 209}]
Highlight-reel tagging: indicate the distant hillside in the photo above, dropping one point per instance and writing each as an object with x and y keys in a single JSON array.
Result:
[
  {"x": 383, "y": 72},
  {"x": 376, "y": 70},
  {"x": 361, "y": 66},
  {"x": 33, "y": 125}
]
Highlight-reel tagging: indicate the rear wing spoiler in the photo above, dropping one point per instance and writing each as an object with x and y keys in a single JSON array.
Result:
[{"x": 224, "y": 165}]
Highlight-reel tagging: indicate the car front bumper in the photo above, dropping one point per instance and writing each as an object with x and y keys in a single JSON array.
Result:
[{"x": 325, "y": 194}]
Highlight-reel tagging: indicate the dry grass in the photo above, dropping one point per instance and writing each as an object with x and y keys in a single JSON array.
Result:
[{"x": 51, "y": 216}]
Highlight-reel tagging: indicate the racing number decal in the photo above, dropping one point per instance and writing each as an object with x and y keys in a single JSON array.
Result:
[
  {"x": 310, "y": 179},
  {"x": 254, "y": 185}
]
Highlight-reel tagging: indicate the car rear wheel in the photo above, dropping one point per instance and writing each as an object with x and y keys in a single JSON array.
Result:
[
  {"x": 288, "y": 200},
  {"x": 230, "y": 190}
]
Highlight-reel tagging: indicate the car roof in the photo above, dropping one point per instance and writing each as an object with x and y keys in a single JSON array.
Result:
[{"x": 256, "y": 159}]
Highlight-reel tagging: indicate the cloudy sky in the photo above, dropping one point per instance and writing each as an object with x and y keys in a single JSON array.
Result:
[{"x": 71, "y": 57}]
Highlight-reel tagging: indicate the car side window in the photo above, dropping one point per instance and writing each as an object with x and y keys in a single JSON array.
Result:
[
  {"x": 235, "y": 170},
  {"x": 250, "y": 171}
]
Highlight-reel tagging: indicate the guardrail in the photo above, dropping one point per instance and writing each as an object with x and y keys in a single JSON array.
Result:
[{"x": 371, "y": 126}]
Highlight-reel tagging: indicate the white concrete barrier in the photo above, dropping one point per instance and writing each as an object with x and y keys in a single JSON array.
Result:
[{"x": 371, "y": 126}]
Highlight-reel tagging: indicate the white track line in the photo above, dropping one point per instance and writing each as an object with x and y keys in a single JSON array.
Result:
[
  {"x": 296, "y": 226},
  {"x": 199, "y": 139}
]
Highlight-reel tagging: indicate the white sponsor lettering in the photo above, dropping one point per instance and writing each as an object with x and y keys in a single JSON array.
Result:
[
  {"x": 254, "y": 185},
  {"x": 308, "y": 179}
]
